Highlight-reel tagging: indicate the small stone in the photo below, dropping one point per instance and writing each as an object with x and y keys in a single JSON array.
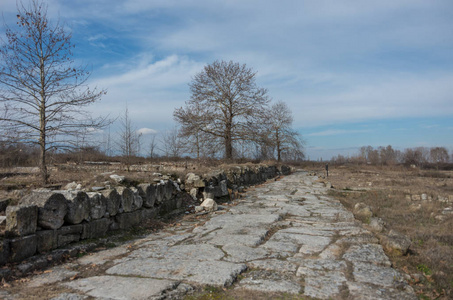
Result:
[
  {"x": 199, "y": 208},
  {"x": 395, "y": 243},
  {"x": 362, "y": 210},
  {"x": 70, "y": 186},
  {"x": 118, "y": 178},
  {"x": 376, "y": 224},
  {"x": 209, "y": 205}
]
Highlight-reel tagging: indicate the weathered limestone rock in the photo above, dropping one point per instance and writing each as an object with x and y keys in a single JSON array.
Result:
[
  {"x": 22, "y": 248},
  {"x": 362, "y": 210},
  {"x": 46, "y": 240},
  {"x": 138, "y": 200},
  {"x": 127, "y": 199},
  {"x": 395, "y": 243},
  {"x": 209, "y": 205},
  {"x": 98, "y": 205},
  {"x": 128, "y": 220},
  {"x": 113, "y": 287},
  {"x": 376, "y": 224},
  {"x": 21, "y": 220},
  {"x": 193, "y": 193},
  {"x": 285, "y": 170},
  {"x": 148, "y": 193},
  {"x": 194, "y": 181},
  {"x": 95, "y": 228},
  {"x": 78, "y": 207},
  {"x": 69, "y": 234},
  {"x": 113, "y": 202},
  {"x": 52, "y": 208},
  {"x": 218, "y": 191},
  {"x": 70, "y": 186},
  {"x": 117, "y": 178}
]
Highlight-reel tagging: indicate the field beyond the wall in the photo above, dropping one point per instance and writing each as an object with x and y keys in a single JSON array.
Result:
[{"x": 416, "y": 203}]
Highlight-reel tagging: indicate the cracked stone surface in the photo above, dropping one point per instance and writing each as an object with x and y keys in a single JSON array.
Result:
[{"x": 285, "y": 236}]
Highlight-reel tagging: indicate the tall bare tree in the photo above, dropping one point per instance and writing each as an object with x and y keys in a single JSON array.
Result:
[
  {"x": 129, "y": 139},
  {"x": 225, "y": 101},
  {"x": 42, "y": 92},
  {"x": 278, "y": 135},
  {"x": 173, "y": 144}
]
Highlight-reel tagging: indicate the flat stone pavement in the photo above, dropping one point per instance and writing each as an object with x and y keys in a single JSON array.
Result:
[{"x": 284, "y": 236}]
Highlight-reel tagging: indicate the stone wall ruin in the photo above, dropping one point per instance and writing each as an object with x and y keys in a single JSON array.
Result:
[{"x": 46, "y": 220}]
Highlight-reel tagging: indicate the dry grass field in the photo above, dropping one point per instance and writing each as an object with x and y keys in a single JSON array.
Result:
[{"x": 416, "y": 203}]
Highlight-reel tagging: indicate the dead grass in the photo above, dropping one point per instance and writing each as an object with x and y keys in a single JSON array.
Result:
[{"x": 431, "y": 232}]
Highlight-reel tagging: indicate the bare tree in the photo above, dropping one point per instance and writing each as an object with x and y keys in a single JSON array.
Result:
[
  {"x": 438, "y": 155},
  {"x": 41, "y": 90},
  {"x": 129, "y": 139},
  {"x": 279, "y": 134},
  {"x": 173, "y": 144},
  {"x": 153, "y": 147},
  {"x": 225, "y": 101}
]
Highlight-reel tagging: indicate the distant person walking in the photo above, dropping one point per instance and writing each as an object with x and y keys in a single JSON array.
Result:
[{"x": 327, "y": 170}]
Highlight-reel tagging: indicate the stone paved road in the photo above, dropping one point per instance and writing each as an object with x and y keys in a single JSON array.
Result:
[{"x": 284, "y": 236}]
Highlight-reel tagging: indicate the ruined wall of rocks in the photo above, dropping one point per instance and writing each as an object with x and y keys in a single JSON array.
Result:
[{"x": 45, "y": 220}]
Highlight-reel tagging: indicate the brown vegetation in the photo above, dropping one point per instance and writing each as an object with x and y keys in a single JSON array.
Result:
[{"x": 414, "y": 202}]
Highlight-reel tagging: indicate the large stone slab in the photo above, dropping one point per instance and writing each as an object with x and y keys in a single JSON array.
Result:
[
  {"x": 78, "y": 207},
  {"x": 370, "y": 253},
  {"x": 52, "y": 208},
  {"x": 115, "y": 287},
  {"x": 21, "y": 220},
  {"x": 210, "y": 272},
  {"x": 242, "y": 253},
  {"x": 264, "y": 285}
]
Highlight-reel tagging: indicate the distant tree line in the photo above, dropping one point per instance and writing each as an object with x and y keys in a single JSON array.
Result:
[{"x": 420, "y": 156}]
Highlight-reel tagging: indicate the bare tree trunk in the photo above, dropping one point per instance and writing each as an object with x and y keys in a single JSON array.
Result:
[
  {"x": 42, "y": 146},
  {"x": 279, "y": 150},
  {"x": 228, "y": 142}
]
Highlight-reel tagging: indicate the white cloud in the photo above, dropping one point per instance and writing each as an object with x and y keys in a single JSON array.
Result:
[{"x": 146, "y": 131}]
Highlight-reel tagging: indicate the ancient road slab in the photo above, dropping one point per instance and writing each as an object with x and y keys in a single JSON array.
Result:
[{"x": 285, "y": 236}]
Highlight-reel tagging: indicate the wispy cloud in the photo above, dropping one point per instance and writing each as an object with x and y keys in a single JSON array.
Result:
[{"x": 336, "y": 132}]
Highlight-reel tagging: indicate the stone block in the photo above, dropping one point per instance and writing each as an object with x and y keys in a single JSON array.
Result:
[
  {"x": 113, "y": 202},
  {"x": 46, "y": 240},
  {"x": 127, "y": 199},
  {"x": 209, "y": 205},
  {"x": 4, "y": 251},
  {"x": 95, "y": 228},
  {"x": 78, "y": 207},
  {"x": 149, "y": 213},
  {"x": 21, "y": 220},
  {"x": 22, "y": 248},
  {"x": 148, "y": 193},
  {"x": 98, "y": 205},
  {"x": 52, "y": 208},
  {"x": 138, "y": 200},
  {"x": 169, "y": 188},
  {"x": 69, "y": 234},
  {"x": 128, "y": 220},
  {"x": 395, "y": 243}
]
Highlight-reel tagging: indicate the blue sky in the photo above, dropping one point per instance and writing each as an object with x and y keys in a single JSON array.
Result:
[{"x": 354, "y": 73}]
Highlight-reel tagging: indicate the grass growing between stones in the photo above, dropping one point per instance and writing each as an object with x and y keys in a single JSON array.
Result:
[
  {"x": 218, "y": 293},
  {"x": 430, "y": 258}
]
